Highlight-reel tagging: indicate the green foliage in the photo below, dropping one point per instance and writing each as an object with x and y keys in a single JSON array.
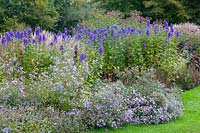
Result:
[
  {"x": 37, "y": 58},
  {"x": 188, "y": 78}
]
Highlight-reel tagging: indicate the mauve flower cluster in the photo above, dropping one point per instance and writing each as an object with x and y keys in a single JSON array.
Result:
[
  {"x": 107, "y": 104},
  {"x": 146, "y": 110}
]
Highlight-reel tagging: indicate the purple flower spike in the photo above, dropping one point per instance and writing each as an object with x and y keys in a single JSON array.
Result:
[
  {"x": 82, "y": 57},
  {"x": 44, "y": 38},
  {"x": 25, "y": 33},
  {"x": 92, "y": 37},
  {"x": 178, "y": 34},
  {"x": 37, "y": 31},
  {"x": 95, "y": 31},
  {"x": 166, "y": 25},
  {"x": 12, "y": 34},
  {"x": 101, "y": 49},
  {"x": 65, "y": 31},
  {"x": 170, "y": 34},
  {"x": 148, "y": 24},
  {"x": 82, "y": 26},
  {"x": 51, "y": 44},
  {"x": 29, "y": 31},
  {"x": 148, "y": 32},
  {"x": 25, "y": 41},
  {"x": 59, "y": 33},
  {"x": 18, "y": 35},
  {"x": 33, "y": 41},
  {"x": 115, "y": 26},
  {"x": 79, "y": 37},
  {"x": 55, "y": 38},
  {"x": 88, "y": 30},
  {"x": 102, "y": 30},
  {"x": 155, "y": 29},
  {"x": 8, "y": 38},
  {"x": 171, "y": 28},
  {"x": 108, "y": 27},
  {"x": 61, "y": 48},
  {"x": 145, "y": 45},
  {"x": 73, "y": 31},
  {"x": 3, "y": 40},
  {"x": 40, "y": 38},
  {"x": 63, "y": 37}
]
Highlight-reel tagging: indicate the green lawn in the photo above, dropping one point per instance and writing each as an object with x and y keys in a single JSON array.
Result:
[{"x": 188, "y": 123}]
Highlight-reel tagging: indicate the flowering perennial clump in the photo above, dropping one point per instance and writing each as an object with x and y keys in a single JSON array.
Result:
[{"x": 61, "y": 82}]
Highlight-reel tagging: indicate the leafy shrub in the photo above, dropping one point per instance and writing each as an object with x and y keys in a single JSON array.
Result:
[{"x": 188, "y": 78}]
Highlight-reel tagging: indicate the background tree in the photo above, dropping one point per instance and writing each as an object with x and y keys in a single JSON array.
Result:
[
  {"x": 175, "y": 11},
  {"x": 30, "y": 12},
  {"x": 193, "y": 10},
  {"x": 71, "y": 12}
]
